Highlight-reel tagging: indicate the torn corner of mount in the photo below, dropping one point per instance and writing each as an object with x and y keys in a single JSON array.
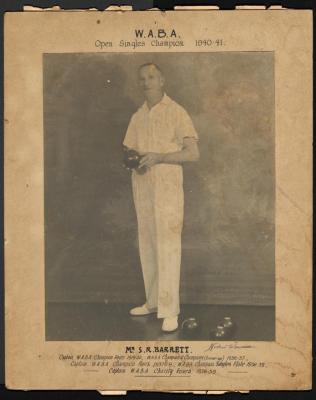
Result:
[
  {"x": 176, "y": 8},
  {"x": 112, "y": 392},
  {"x": 58, "y": 8}
]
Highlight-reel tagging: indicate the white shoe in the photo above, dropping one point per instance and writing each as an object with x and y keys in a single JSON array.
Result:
[
  {"x": 170, "y": 324},
  {"x": 141, "y": 310}
]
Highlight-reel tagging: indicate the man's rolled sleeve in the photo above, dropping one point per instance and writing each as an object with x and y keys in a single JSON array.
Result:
[
  {"x": 185, "y": 127},
  {"x": 130, "y": 139}
]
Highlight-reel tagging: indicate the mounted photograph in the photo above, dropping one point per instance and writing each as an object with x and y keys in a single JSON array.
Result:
[
  {"x": 158, "y": 200},
  {"x": 159, "y": 196}
]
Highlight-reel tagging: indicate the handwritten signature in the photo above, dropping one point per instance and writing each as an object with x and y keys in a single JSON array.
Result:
[{"x": 222, "y": 346}]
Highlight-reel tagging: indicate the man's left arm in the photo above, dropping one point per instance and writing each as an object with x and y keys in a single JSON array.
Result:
[{"x": 188, "y": 153}]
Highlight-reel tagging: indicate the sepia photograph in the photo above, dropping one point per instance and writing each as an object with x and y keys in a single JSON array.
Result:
[{"x": 159, "y": 196}]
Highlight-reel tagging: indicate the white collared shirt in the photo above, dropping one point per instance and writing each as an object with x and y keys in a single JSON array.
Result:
[{"x": 160, "y": 129}]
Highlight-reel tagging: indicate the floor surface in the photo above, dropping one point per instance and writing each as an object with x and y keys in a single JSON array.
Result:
[{"x": 97, "y": 322}]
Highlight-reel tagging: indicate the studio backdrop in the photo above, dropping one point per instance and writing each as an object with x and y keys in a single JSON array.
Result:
[{"x": 91, "y": 249}]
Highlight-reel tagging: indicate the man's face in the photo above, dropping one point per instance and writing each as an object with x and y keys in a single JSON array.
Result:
[{"x": 150, "y": 80}]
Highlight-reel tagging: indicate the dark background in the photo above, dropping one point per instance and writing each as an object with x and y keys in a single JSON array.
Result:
[{"x": 90, "y": 223}]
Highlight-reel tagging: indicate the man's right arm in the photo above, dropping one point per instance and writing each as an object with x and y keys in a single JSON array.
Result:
[
  {"x": 130, "y": 140},
  {"x": 190, "y": 152}
]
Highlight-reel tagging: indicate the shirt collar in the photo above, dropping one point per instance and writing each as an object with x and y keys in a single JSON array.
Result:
[{"x": 165, "y": 100}]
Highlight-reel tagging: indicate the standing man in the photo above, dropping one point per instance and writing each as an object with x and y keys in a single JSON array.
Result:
[{"x": 163, "y": 133}]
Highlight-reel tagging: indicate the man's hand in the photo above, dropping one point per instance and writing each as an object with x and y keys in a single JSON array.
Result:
[
  {"x": 150, "y": 159},
  {"x": 189, "y": 153}
]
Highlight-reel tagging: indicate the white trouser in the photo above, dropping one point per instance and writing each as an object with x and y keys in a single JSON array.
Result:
[{"x": 158, "y": 197}]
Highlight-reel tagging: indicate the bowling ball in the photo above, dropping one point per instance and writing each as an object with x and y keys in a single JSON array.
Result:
[
  {"x": 228, "y": 323},
  {"x": 131, "y": 159},
  {"x": 225, "y": 330},
  {"x": 229, "y": 326},
  {"x": 190, "y": 326},
  {"x": 219, "y": 333}
]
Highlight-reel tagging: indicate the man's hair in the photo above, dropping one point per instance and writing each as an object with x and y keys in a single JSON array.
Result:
[{"x": 151, "y": 64}]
